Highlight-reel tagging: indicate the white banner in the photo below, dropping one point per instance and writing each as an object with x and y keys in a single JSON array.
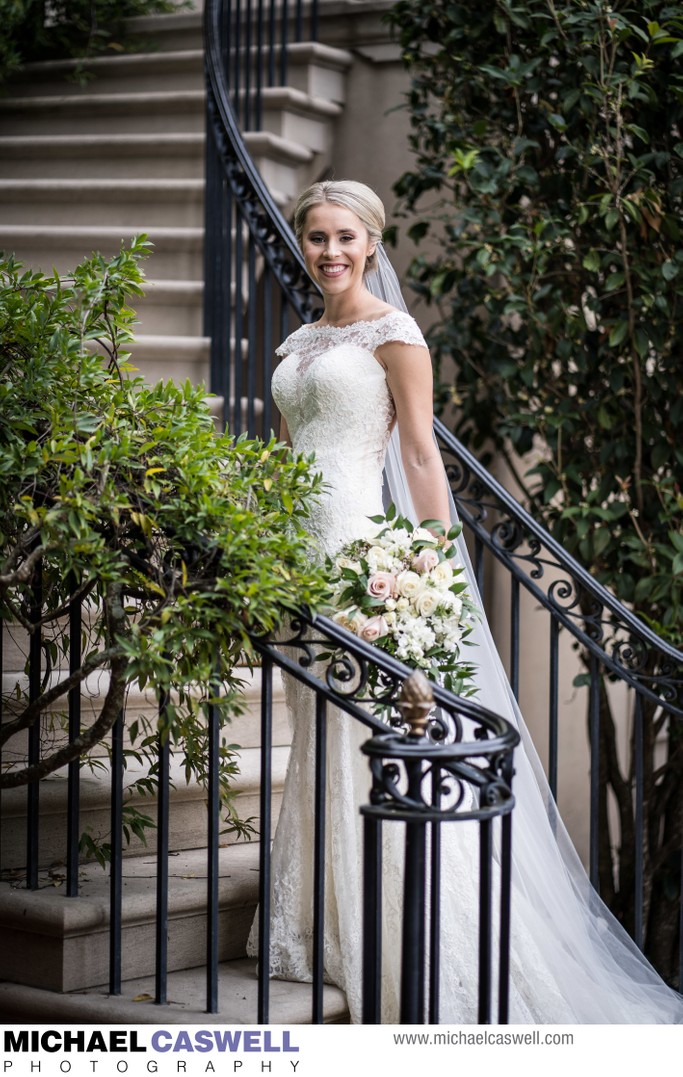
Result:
[{"x": 331, "y": 1050}]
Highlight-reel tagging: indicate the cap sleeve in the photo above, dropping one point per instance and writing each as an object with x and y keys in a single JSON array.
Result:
[
  {"x": 290, "y": 343},
  {"x": 398, "y": 327}
]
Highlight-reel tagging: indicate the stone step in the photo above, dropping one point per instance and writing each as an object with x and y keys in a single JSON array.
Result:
[
  {"x": 312, "y": 68},
  {"x": 125, "y": 203},
  {"x": 172, "y": 70},
  {"x": 299, "y": 118},
  {"x": 171, "y": 307},
  {"x": 157, "y": 357},
  {"x": 318, "y": 69},
  {"x": 290, "y": 1003},
  {"x": 188, "y": 803},
  {"x": 176, "y": 253},
  {"x": 62, "y": 944},
  {"x": 98, "y": 156},
  {"x": 181, "y": 111},
  {"x": 168, "y": 33},
  {"x": 283, "y": 164},
  {"x": 187, "y": 813},
  {"x": 142, "y": 706}
]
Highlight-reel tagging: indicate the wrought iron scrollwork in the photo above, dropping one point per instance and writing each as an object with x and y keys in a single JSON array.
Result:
[{"x": 624, "y": 646}]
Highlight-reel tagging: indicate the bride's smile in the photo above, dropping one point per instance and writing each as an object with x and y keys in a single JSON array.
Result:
[{"x": 336, "y": 246}]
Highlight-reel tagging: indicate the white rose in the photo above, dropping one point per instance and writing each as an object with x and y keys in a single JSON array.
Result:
[
  {"x": 442, "y": 575},
  {"x": 351, "y": 620},
  {"x": 427, "y": 602},
  {"x": 423, "y": 534},
  {"x": 409, "y": 584},
  {"x": 402, "y": 605},
  {"x": 378, "y": 559}
]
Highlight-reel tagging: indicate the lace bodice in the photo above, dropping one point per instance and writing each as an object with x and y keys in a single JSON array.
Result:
[{"x": 334, "y": 396}]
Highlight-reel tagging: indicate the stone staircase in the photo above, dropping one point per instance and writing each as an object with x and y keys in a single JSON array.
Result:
[{"x": 85, "y": 167}]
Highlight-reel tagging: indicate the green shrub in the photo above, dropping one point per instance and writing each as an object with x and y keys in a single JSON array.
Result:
[{"x": 179, "y": 540}]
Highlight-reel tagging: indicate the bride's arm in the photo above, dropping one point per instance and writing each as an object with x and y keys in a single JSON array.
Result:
[
  {"x": 410, "y": 380},
  {"x": 284, "y": 432}
]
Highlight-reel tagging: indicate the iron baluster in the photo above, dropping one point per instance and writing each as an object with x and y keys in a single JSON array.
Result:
[
  {"x": 514, "y": 637},
  {"x": 34, "y": 689},
  {"x": 553, "y": 709},
  {"x": 435, "y": 905},
  {"x": 639, "y": 882},
  {"x": 485, "y": 913},
  {"x": 212, "y": 839},
  {"x": 594, "y": 727},
  {"x": 372, "y": 920},
  {"x": 264, "y": 839},
  {"x": 74, "y": 769},
  {"x": 116, "y": 865},
  {"x": 252, "y": 343},
  {"x": 164, "y": 757},
  {"x": 320, "y": 798},
  {"x": 505, "y": 917}
]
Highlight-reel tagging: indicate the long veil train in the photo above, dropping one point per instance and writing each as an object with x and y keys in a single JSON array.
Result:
[{"x": 599, "y": 971}]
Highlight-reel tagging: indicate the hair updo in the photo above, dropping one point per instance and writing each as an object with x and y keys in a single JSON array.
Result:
[{"x": 350, "y": 194}]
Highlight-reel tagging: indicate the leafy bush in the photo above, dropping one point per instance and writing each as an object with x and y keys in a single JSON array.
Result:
[
  {"x": 549, "y": 165},
  {"x": 41, "y": 30},
  {"x": 179, "y": 541}
]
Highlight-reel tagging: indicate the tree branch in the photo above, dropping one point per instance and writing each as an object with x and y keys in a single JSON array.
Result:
[{"x": 111, "y": 708}]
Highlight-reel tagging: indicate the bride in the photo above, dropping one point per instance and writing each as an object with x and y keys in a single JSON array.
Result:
[{"x": 346, "y": 387}]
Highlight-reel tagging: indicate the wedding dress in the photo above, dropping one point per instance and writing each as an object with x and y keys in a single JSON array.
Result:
[{"x": 570, "y": 960}]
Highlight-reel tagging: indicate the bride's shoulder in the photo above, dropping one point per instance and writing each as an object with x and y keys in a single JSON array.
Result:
[
  {"x": 399, "y": 327},
  {"x": 294, "y": 340}
]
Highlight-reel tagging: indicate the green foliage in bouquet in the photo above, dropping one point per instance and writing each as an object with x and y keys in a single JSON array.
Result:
[
  {"x": 399, "y": 589},
  {"x": 179, "y": 541}
]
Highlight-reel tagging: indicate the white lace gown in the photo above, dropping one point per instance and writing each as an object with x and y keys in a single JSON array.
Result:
[{"x": 570, "y": 962}]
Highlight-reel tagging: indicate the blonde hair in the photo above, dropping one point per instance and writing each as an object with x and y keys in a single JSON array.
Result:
[{"x": 350, "y": 194}]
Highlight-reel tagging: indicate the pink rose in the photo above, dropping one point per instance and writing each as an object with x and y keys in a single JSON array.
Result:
[
  {"x": 373, "y": 629},
  {"x": 425, "y": 561},
  {"x": 382, "y": 585}
]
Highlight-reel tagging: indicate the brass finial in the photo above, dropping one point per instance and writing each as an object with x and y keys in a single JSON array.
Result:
[{"x": 415, "y": 702}]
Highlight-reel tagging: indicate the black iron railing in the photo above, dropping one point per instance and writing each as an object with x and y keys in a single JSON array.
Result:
[
  {"x": 613, "y": 648},
  {"x": 248, "y": 249},
  {"x": 452, "y": 769},
  {"x": 447, "y": 771}
]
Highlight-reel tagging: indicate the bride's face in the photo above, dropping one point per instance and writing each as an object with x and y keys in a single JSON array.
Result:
[{"x": 335, "y": 245}]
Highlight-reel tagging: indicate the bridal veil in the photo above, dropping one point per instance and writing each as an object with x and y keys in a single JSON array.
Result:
[{"x": 599, "y": 970}]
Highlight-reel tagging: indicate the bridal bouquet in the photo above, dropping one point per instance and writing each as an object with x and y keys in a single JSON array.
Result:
[{"x": 399, "y": 589}]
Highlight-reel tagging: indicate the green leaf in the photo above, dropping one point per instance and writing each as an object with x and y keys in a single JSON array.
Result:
[{"x": 618, "y": 334}]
